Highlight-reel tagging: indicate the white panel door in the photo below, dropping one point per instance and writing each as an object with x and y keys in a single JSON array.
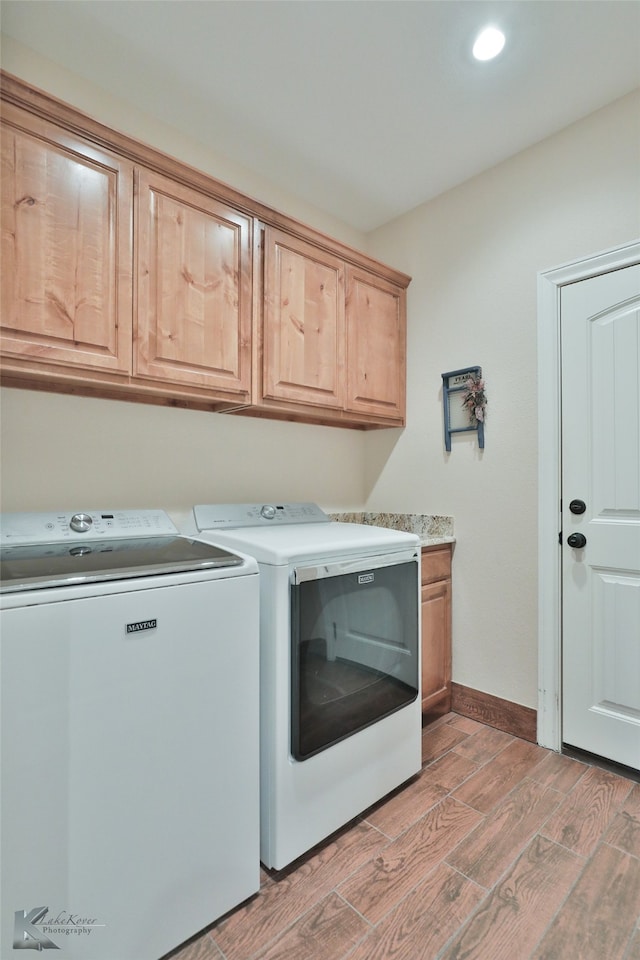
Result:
[{"x": 600, "y": 334}]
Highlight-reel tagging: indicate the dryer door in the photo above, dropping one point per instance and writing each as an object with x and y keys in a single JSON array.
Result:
[{"x": 354, "y": 647}]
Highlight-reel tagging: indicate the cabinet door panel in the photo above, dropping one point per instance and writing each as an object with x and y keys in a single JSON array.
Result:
[
  {"x": 436, "y": 564},
  {"x": 436, "y": 644},
  {"x": 66, "y": 248},
  {"x": 376, "y": 338},
  {"x": 193, "y": 323},
  {"x": 303, "y": 332}
]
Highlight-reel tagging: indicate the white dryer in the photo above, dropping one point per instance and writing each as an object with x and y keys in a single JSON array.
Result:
[
  {"x": 129, "y": 745},
  {"x": 340, "y": 665}
]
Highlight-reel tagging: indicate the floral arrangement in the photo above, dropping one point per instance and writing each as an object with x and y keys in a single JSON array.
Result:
[{"x": 475, "y": 400}]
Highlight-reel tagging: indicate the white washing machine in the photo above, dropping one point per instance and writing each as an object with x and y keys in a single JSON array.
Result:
[
  {"x": 129, "y": 745},
  {"x": 339, "y": 661}
]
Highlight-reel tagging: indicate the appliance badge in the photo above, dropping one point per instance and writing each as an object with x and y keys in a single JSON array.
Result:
[
  {"x": 366, "y": 578},
  {"x": 141, "y": 625}
]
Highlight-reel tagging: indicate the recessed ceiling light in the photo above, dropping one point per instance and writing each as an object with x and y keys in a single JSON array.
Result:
[{"x": 488, "y": 44}]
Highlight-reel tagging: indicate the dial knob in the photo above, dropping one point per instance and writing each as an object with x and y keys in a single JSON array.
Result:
[
  {"x": 81, "y": 522},
  {"x": 268, "y": 511}
]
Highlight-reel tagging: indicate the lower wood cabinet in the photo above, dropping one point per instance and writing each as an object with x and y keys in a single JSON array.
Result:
[{"x": 436, "y": 629}]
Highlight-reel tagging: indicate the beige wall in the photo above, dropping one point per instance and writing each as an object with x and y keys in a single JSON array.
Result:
[{"x": 474, "y": 254}]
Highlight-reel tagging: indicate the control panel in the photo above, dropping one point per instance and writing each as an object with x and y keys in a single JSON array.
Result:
[
  {"x": 23, "y": 528},
  {"x": 228, "y": 516}
]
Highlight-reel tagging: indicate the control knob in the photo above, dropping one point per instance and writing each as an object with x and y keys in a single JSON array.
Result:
[
  {"x": 81, "y": 522},
  {"x": 268, "y": 511}
]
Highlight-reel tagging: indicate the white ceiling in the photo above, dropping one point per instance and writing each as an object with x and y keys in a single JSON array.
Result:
[{"x": 365, "y": 108}]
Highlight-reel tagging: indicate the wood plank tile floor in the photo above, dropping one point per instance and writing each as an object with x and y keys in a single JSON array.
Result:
[{"x": 497, "y": 850}]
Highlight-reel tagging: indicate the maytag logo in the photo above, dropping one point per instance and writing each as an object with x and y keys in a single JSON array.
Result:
[
  {"x": 141, "y": 625},
  {"x": 366, "y": 578}
]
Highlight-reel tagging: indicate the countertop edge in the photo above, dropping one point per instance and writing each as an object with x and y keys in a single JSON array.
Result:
[
  {"x": 431, "y": 530},
  {"x": 435, "y": 541}
]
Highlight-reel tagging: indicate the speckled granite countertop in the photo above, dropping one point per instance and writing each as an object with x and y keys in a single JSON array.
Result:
[{"x": 431, "y": 530}]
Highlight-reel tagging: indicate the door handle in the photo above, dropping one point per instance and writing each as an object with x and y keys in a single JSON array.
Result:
[{"x": 577, "y": 540}]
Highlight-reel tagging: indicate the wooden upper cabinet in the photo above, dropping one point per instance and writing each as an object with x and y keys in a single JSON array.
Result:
[
  {"x": 126, "y": 273},
  {"x": 333, "y": 336},
  {"x": 66, "y": 248},
  {"x": 376, "y": 345},
  {"x": 194, "y": 293},
  {"x": 303, "y": 322}
]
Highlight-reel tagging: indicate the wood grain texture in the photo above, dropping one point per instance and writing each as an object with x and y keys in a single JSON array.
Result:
[
  {"x": 508, "y": 923},
  {"x": 376, "y": 345},
  {"x": 435, "y": 600},
  {"x": 66, "y": 290},
  {"x": 510, "y": 717},
  {"x": 303, "y": 323},
  {"x": 466, "y": 724},
  {"x": 398, "y": 811},
  {"x": 201, "y": 948},
  {"x": 439, "y": 739},
  {"x": 327, "y": 931},
  {"x": 624, "y": 832},
  {"x": 498, "y": 840},
  {"x": 491, "y": 784},
  {"x": 383, "y": 881},
  {"x": 486, "y": 745},
  {"x": 436, "y": 563},
  {"x": 561, "y": 773},
  {"x": 450, "y": 770},
  {"x": 587, "y": 812},
  {"x": 424, "y": 921},
  {"x": 194, "y": 291},
  {"x": 598, "y": 918},
  {"x": 541, "y": 900},
  {"x": 291, "y": 892}
]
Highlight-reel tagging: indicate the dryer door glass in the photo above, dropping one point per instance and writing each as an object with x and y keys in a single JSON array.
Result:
[{"x": 354, "y": 649}]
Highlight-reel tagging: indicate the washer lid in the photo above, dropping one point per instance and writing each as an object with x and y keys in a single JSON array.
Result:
[{"x": 33, "y": 566}]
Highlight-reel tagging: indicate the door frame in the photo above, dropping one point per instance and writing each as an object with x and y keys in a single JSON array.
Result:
[{"x": 550, "y": 283}]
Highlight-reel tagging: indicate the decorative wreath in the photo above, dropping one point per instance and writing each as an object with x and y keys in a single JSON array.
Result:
[{"x": 475, "y": 400}]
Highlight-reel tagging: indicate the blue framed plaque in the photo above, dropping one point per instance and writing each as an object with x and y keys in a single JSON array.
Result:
[{"x": 464, "y": 403}]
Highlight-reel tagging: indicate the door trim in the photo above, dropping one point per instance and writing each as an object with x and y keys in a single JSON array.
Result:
[{"x": 550, "y": 283}]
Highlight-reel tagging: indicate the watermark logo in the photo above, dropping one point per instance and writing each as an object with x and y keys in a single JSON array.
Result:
[
  {"x": 26, "y": 935},
  {"x": 33, "y": 930}
]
